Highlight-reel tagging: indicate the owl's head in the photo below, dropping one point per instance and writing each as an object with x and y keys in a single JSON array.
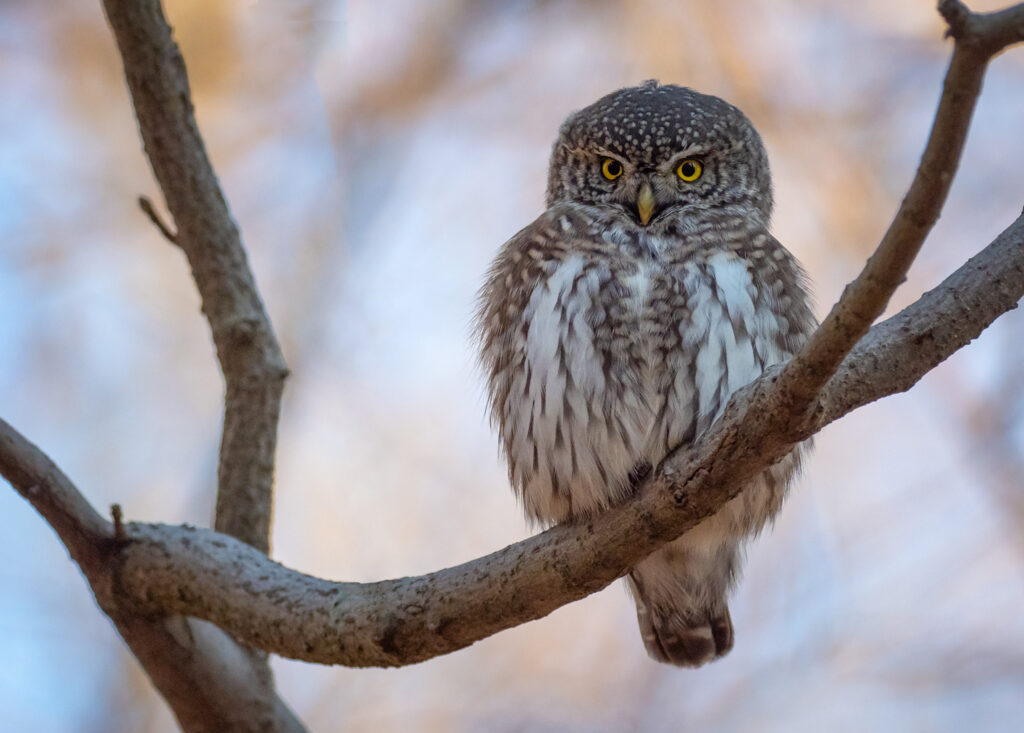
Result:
[{"x": 658, "y": 152}]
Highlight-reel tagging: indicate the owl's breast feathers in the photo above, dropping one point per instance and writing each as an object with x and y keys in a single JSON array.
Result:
[{"x": 605, "y": 347}]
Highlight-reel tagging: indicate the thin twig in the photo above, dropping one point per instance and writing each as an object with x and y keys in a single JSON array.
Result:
[
  {"x": 118, "y": 517},
  {"x": 147, "y": 207}
]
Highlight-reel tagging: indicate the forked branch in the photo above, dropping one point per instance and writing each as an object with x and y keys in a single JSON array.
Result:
[
  {"x": 978, "y": 38},
  {"x": 250, "y": 358},
  {"x": 409, "y": 620},
  {"x": 196, "y": 572}
]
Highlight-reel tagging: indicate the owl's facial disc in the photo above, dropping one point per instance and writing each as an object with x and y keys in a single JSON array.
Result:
[{"x": 696, "y": 152}]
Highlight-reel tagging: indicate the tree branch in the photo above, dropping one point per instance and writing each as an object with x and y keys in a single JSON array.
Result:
[
  {"x": 86, "y": 534},
  {"x": 207, "y": 679},
  {"x": 210, "y": 682},
  {"x": 978, "y": 38},
  {"x": 992, "y": 32},
  {"x": 413, "y": 619},
  {"x": 200, "y": 573},
  {"x": 250, "y": 358},
  {"x": 927, "y": 332}
]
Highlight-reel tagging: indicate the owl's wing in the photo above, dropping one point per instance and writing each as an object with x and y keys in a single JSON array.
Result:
[
  {"x": 559, "y": 393},
  {"x": 523, "y": 266},
  {"x": 501, "y": 305}
]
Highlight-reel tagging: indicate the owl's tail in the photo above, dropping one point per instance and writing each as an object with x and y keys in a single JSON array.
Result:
[{"x": 680, "y": 626}]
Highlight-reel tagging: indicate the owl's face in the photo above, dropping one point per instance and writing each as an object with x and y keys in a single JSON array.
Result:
[{"x": 658, "y": 153}]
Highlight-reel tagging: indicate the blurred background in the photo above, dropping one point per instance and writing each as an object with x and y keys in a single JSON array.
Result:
[{"x": 376, "y": 154}]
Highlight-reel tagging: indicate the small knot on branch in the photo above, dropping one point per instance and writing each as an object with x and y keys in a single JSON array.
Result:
[
  {"x": 241, "y": 331},
  {"x": 957, "y": 16},
  {"x": 988, "y": 32}
]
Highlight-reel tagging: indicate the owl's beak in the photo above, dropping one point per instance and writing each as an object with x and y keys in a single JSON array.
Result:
[{"x": 645, "y": 203}]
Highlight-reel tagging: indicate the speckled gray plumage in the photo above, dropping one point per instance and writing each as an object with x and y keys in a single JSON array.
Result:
[{"x": 608, "y": 340}]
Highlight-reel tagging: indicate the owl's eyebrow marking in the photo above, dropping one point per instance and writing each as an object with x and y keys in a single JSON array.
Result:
[
  {"x": 694, "y": 151},
  {"x": 609, "y": 154},
  {"x": 704, "y": 152}
]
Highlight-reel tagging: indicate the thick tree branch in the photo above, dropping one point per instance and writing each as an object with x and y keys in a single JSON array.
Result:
[
  {"x": 166, "y": 569},
  {"x": 209, "y": 682},
  {"x": 412, "y": 619},
  {"x": 207, "y": 679},
  {"x": 927, "y": 332},
  {"x": 201, "y": 573},
  {"x": 250, "y": 358}
]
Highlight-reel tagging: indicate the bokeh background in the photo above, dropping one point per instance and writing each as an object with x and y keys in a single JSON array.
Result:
[{"x": 376, "y": 153}]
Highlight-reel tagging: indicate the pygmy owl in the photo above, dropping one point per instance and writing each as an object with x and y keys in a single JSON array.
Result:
[{"x": 615, "y": 327}]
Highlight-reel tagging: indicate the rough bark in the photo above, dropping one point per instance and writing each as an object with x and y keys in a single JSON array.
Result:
[{"x": 209, "y": 681}]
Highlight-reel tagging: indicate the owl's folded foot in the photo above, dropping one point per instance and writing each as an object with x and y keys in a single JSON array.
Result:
[{"x": 685, "y": 640}]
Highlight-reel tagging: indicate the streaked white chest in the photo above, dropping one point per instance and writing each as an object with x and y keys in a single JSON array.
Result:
[{"x": 575, "y": 426}]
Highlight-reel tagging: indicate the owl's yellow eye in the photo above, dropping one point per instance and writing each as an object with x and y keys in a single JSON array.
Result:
[
  {"x": 611, "y": 169},
  {"x": 689, "y": 170}
]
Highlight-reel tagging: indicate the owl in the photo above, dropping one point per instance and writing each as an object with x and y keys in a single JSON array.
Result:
[{"x": 614, "y": 328}]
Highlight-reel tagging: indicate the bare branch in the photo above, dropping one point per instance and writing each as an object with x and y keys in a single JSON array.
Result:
[
  {"x": 403, "y": 621},
  {"x": 210, "y": 682},
  {"x": 250, "y": 358},
  {"x": 83, "y": 531},
  {"x": 978, "y": 38},
  {"x": 201, "y": 672},
  {"x": 941, "y": 321},
  {"x": 992, "y": 32},
  {"x": 412, "y": 619},
  {"x": 164, "y": 569}
]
